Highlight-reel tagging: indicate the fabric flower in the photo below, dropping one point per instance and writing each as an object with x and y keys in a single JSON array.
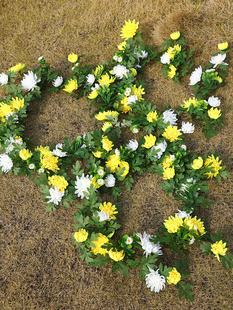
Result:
[
  {"x": 120, "y": 71},
  {"x": 170, "y": 116},
  {"x": 129, "y": 29},
  {"x": 214, "y": 101},
  {"x": 81, "y": 235},
  {"x": 82, "y": 184},
  {"x": 29, "y": 81},
  {"x": 115, "y": 255},
  {"x": 196, "y": 76},
  {"x": 219, "y": 248},
  {"x": 71, "y": 86},
  {"x": 55, "y": 196},
  {"x": 110, "y": 180},
  {"x": 173, "y": 223},
  {"x": 187, "y": 127},
  {"x": 58, "y": 81},
  {"x": 218, "y": 60},
  {"x": 172, "y": 133},
  {"x": 154, "y": 281},
  {"x": 6, "y": 162},
  {"x": 148, "y": 246},
  {"x": 3, "y": 79}
]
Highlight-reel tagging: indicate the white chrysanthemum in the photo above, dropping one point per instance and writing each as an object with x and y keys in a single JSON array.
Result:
[
  {"x": 160, "y": 146},
  {"x": 218, "y": 60},
  {"x": 58, "y": 151},
  {"x": 40, "y": 58},
  {"x": 90, "y": 79},
  {"x": 6, "y": 162},
  {"x": 187, "y": 127},
  {"x": 58, "y": 81},
  {"x": 132, "y": 145},
  {"x": 10, "y": 147},
  {"x": 142, "y": 54},
  {"x": 120, "y": 71},
  {"x": 148, "y": 246},
  {"x": 29, "y": 81},
  {"x": 110, "y": 180},
  {"x": 183, "y": 214},
  {"x": 55, "y": 195},
  {"x": 132, "y": 99},
  {"x": 3, "y": 79},
  {"x": 154, "y": 281},
  {"x": 82, "y": 185},
  {"x": 214, "y": 102},
  {"x": 170, "y": 116},
  {"x": 196, "y": 76},
  {"x": 103, "y": 216},
  {"x": 96, "y": 87},
  {"x": 165, "y": 59}
]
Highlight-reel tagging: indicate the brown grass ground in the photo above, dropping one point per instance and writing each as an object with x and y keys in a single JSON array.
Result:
[{"x": 40, "y": 268}]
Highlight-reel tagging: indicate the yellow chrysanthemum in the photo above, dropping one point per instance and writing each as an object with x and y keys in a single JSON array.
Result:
[
  {"x": 177, "y": 49},
  {"x": 58, "y": 181},
  {"x": 167, "y": 162},
  {"x": 125, "y": 107},
  {"x": 175, "y": 35},
  {"x": 152, "y": 116},
  {"x": 116, "y": 256},
  {"x": 17, "y": 67},
  {"x": 5, "y": 110},
  {"x": 16, "y": 103},
  {"x": 194, "y": 223},
  {"x": 214, "y": 113},
  {"x": 101, "y": 240},
  {"x": 223, "y": 46},
  {"x": 219, "y": 79},
  {"x": 138, "y": 91},
  {"x": 187, "y": 103},
  {"x": 122, "y": 46},
  {"x": 98, "y": 70},
  {"x": 134, "y": 71},
  {"x": 173, "y": 277},
  {"x": 73, "y": 58},
  {"x": 93, "y": 94},
  {"x": 172, "y": 133},
  {"x": 71, "y": 86},
  {"x": 108, "y": 208},
  {"x": 25, "y": 154},
  {"x": 106, "y": 80},
  {"x": 172, "y": 71},
  {"x": 81, "y": 235},
  {"x": 49, "y": 162},
  {"x": 149, "y": 141},
  {"x": 214, "y": 164},
  {"x": 168, "y": 173},
  {"x": 102, "y": 116},
  {"x": 124, "y": 164},
  {"x": 173, "y": 223},
  {"x": 113, "y": 162},
  {"x": 129, "y": 29},
  {"x": 107, "y": 144},
  {"x": 106, "y": 125},
  {"x": 219, "y": 248},
  {"x": 43, "y": 150},
  {"x": 197, "y": 163},
  {"x": 97, "y": 154}
]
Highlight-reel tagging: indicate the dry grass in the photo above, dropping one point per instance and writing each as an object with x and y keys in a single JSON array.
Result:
[{"x": 40, "y": 268}]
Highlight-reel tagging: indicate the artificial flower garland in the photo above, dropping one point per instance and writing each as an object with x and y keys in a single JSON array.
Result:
[{"x": 120, "y": 104}]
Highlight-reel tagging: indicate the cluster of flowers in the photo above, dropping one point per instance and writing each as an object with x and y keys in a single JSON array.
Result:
[{"x": 160, "y": 150}]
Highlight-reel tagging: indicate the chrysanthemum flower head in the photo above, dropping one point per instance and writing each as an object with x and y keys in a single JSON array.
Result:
[
  {"x": 125, "y": 107},
  {"x": 218, "y": 60},
  {"x": 98, "y": 70},
  {"x": 219, "y": 248},
  {"x": 197, "y": 163},
  {"x": 25, "y": 154},
  {"x": 106, "y": 80},
  {"x": 175, "y": 35},
  {"x": 97, "y": 248},
  {"x": 115, "y": 255},
  {"x": 170, "y": 116},
  {"x": 107, "y": 144},
  {"x": 6, "y": 162},
  {"x": 49, "y": 162},
  {"x": 113, "y": 162},
  {"x": 82, "y": 184},
  {"x": 3, "y": 79},
  {"x": 173, "y": 223},
  {"x": 110, "y": 180},
  {"x": 122, "y": 45},
  {"x": 171, "y": 71},
  {"x": 71, "y": 86},
  {"x": 81, "y": 235},
  {"x": 16, "y": 103},
  {"x": 194, "y": 223},
  {"x": 138, "y": 91},
  {"x": 55, "y": 196},
  {"x": 187, "y": 103},
  {"x": 129, "y": 29},
  {"x": 223, "y": 46},
  {"x": 72, "y": 58},
  {"x": 5, "y": 110},
  {"x": 173, "y": 277},
  {"x": 149, "y": 141},
  {"x": 124, "y": 164},
  {"x": 172, "y": 133},
  {"x": 152, "y": 116},
  {"x": 17, "y": 67},
  {"x": 102, "y": 116},
  {"x": 58, "y": 181},
  {"x": 97, "y": 154},
  {"x": 168, "y": 173},
  {"x": 106, "y": 125},
  {"x": 214, "y": 163},
  {"x": 214, "y": 113},
  {"x": 109, "y": 209},
  {"x": 148, "y": 246},
  {"x": 196, "y": 76},
  {"x": 154, "y": 281}
]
